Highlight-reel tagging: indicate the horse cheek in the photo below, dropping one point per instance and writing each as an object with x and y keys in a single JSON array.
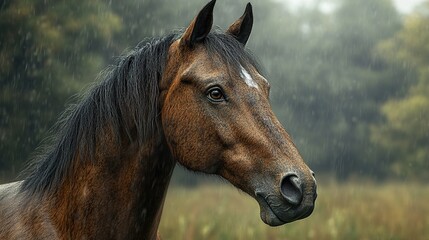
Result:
[{"x": 189, "y": 141}]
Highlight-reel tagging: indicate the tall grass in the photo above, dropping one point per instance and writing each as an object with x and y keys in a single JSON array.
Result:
[{"x": 343, "y": 211}]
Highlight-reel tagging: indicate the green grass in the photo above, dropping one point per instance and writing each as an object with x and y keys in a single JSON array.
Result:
[{"x": 343, "y": 211}]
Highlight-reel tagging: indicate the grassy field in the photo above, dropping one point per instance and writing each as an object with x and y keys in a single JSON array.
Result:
[{"x": 343, "y": 211}]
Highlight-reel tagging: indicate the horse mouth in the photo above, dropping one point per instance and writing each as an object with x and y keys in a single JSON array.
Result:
[{"x": 275, "y": 213}]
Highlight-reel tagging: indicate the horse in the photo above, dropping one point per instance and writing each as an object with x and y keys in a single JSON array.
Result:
[{"x": 194, "y": 97}]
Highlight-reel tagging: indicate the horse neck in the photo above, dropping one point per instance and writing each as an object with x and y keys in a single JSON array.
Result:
[{"x": 119, "y": 195}]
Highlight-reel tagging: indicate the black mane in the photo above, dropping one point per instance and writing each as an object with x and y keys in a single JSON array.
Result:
[
  {"x": 230, "y": 51},
  {"x": 126, "y": 99}
]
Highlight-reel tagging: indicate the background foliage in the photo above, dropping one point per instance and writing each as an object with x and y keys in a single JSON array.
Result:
[{"x": 350, "y": 82}]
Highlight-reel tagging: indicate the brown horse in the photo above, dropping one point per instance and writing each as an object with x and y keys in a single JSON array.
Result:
[{"x": 196, "y": 98}]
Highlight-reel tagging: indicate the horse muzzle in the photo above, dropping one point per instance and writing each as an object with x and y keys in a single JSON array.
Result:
[{"x": 294, "y": 199}]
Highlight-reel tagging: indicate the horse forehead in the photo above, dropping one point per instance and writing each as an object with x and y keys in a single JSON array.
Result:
[
  {"x": 208, "y": 67},
  {"x": 204, "y": 70}
]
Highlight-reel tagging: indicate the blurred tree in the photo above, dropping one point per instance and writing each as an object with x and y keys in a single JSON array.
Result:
[
  {"x": 47, "y": 50},
  {"x": 404, "y": 133},
  {"x": 334, "y": 82}
]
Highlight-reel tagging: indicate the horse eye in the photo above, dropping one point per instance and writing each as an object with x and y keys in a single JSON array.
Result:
[{"x": 216, "y": 95}]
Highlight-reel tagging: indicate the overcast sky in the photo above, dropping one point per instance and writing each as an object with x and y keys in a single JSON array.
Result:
[{"x": 404, "y": 6}]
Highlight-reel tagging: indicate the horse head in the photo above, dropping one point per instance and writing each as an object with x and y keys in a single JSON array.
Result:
[{"x": 217, "y": 119}]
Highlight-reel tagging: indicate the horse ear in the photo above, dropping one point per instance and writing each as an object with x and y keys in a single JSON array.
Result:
[
  {"x": 201, "y": 25},
  {"x": 241, "y": 28}
]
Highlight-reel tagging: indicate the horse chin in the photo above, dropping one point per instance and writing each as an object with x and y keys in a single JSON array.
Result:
[
  {"x": 270, "y": 218},
  {"x": 275, "y": 212},
  {"x": 267, "y": 214}
]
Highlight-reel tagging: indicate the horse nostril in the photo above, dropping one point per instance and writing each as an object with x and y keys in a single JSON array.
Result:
[{"x": 291, "y": 190}]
